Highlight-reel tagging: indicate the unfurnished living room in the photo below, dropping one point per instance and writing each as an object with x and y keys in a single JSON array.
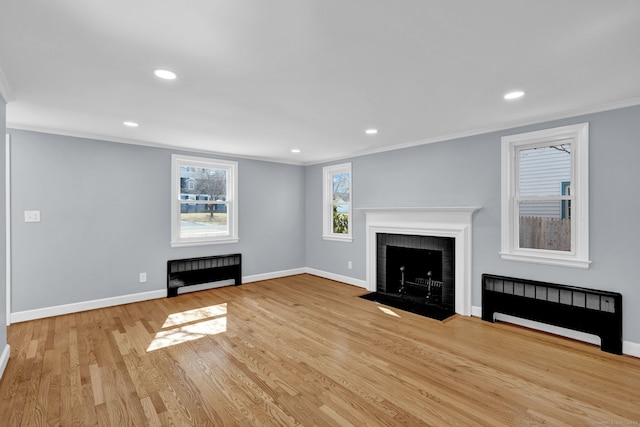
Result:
[{"x": 319, "y": 213}]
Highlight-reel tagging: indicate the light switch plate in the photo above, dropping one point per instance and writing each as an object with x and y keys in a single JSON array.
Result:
[{"x": 31, "y": 216}]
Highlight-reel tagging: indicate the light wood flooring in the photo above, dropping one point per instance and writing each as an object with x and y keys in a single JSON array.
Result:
[{"x": 305, "y": 351}]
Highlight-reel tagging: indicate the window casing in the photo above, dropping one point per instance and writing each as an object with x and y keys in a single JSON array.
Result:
[
  {"x": 204, "y": 207},
  {"x": 545, "y": 196},
  {"x": 337, "y": 208}
]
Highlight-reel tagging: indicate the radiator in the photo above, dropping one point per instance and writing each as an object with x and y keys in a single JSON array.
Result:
[
  {"x": 581, "y": 309},
  {"x": 195, "y": 271}
]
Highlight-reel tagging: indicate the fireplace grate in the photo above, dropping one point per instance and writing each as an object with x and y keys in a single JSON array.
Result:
[{"x": 431, "y": 288}]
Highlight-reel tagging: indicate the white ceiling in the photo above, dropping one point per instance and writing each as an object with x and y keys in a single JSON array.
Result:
[{"x": 258, "y": 78}]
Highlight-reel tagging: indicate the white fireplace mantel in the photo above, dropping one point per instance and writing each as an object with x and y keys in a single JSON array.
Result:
[{"x": 445, "y": 221}]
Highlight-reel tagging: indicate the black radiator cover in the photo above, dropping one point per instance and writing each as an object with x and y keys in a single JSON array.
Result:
[
  {"x": 508, "y": 295},
  {"x": 195, "y": 271}
]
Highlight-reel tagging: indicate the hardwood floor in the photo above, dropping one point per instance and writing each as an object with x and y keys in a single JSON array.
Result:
[{"x": 303, "y": 351}]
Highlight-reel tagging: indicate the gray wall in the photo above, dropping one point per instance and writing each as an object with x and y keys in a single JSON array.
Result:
[
  {"x": 3, "y": 237},
  {"x": 105, "y": 217},
  {"x": 467, "y": 172},
  {"x": 105, "y": 213}
]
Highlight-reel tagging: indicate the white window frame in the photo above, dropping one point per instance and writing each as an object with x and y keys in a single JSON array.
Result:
[
  {"x": 327, "y": 203},
  {"x": 231, "y": 168},
  {"x": 578, "y": 136}
]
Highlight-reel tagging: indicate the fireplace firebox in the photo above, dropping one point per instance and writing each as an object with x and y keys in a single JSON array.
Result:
[{"x": 419, "y": 269}]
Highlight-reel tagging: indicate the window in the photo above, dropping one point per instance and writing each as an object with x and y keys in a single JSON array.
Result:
[
  {"x": 337, "y": 193},
  {"x": 545, "y": 196},
  {"x": 204, "y": 206}
]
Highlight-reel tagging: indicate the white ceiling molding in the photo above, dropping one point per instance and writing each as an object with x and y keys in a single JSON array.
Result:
[
  {"x": 107, "y": 138},
  {"x": 5, "y": 90},
  {"x": 505, "y": 126},
  {"x": 497, "y": 128}
]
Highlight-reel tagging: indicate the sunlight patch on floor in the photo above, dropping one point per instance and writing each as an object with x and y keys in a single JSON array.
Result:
[
  {"x": 195, "y": 315},
  {"x": 197, "y": 324},
  {"x": 388, "y": 311}
]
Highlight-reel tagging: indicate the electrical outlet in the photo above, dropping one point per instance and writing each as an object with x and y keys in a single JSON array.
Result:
[
  {"x": 349, "y": 265},
  {"x": 31, "y": 216},
  {"x": 143, "y": 277}
]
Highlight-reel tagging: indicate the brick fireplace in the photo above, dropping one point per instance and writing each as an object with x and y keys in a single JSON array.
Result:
[
  {"x": 419, "y": 268},
  {"x": 436, "y": 223}
]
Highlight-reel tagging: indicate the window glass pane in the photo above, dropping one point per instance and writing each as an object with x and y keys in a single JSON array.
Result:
[
  {"x": 542, "y": 225},
  {"x": 340, "y": 218},
  {"x": 203, "y": 220},
  {"x": 341, "y": 184},
  {"x": 203, "y": 183},
  {"x": 544, "y": 171}
]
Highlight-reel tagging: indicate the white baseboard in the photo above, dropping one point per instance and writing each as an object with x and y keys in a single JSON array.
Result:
[
  {"x": 273, "y": 275},
  {"x": 4, "y": 358},
  {"x": 628, "y": 347},
  {"x": 476, "y": 311},
  {"x": 40, "y": 313},
  {"x": 58, "y": 310},
  {"x": 337, "y": 277},
  {"x": 631, "y": 348}
]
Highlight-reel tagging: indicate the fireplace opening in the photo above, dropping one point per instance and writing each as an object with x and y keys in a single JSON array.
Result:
[{"x": 416, "y": 273}]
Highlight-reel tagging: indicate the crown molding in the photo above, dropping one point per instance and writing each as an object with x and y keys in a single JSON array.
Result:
[
  {"x": 5, "y": 90},
  {"x": 106, "y": 138},
  {"x": 631, "y": 102}
]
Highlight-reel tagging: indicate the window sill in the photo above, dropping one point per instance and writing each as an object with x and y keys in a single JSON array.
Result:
[
  {"x": 347, "y": 239},
  {"x": 546, "y": 259},
  {"x": 204, "y": 242}
]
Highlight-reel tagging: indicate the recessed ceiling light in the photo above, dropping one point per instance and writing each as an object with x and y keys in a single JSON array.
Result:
[
  {"x": 130, "y": 124},
  {"x": 295, "y": 150},
  {"x": 371, "y": 131},
  {"x": 514, "y": 95},
  {"x": 165, "y": 74}
]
